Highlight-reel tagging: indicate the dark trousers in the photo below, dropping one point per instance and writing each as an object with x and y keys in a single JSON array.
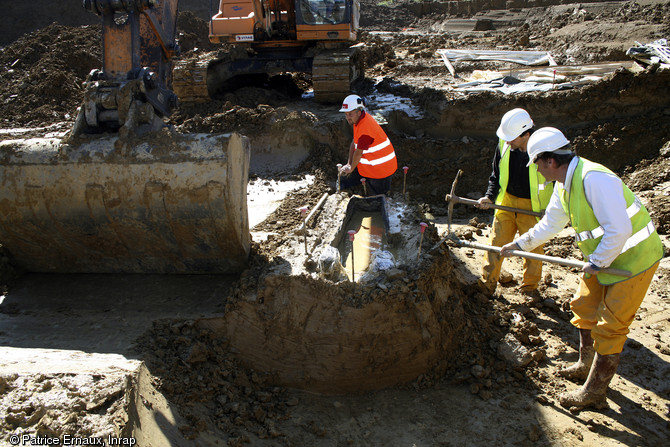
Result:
[{"x": 374, "y": 186}]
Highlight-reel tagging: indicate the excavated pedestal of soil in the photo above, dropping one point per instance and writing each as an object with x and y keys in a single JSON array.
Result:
[
  {"x": 323, "y": 336},
  {"x": 313, "y": 336}
]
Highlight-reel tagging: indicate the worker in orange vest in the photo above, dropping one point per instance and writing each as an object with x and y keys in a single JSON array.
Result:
[{"x": 371, "y": 154}]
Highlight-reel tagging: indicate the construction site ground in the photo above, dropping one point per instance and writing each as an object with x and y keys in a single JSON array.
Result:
[{"x": 142, "y": 359}]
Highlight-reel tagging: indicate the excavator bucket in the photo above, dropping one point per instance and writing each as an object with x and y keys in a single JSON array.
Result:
[{"x": 166, "y": 204}]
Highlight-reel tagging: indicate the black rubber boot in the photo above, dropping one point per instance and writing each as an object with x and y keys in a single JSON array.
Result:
[
  {"x": 580, "y": 370},
  {"x": 594, "y": 391}
]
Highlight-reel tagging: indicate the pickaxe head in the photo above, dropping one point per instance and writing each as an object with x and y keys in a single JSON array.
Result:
[
  {"x": 451, "y": 212},
  {"x": 451, "y": 202}
]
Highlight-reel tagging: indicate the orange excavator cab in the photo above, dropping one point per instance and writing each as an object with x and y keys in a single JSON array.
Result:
[
  {"x": 310, "y": 36},
  {"x": 301, "y": 21}
]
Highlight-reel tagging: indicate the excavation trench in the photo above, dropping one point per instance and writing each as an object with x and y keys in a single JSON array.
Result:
[
  {"x": 206, "y": 371},
  {"x": 313, "y": 310},
  {"x": 291, "y": 322}
]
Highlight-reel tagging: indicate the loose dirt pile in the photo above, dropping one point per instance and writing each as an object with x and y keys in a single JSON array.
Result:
[
  {"x": 483, "y": 371},
  {"x": 84, "y": 405}
]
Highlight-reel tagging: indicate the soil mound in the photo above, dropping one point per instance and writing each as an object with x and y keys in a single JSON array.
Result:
[{"x": 43, "y": 73}]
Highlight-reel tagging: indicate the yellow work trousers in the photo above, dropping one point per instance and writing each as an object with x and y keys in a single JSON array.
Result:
[
  {"x": 609, "y": 310},
  {"x": 506, "y": 224}
]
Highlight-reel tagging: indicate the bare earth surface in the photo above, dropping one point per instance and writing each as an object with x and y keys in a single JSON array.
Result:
[{"x": 244, "y": 360}]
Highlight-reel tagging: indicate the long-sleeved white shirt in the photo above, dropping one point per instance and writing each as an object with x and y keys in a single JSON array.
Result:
[{"x": 604, "y": 193}]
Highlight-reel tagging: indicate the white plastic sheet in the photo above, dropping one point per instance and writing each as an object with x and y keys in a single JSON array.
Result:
[
  {"x": 518, "y": 57},
  {"x": 544, "y": 79},
  {"x": 655, "y": 52},
  {"x": 499, "y": 86}
]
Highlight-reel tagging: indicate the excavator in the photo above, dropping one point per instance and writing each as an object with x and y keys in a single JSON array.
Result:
[
  {"x": 309, "y": 36},
  {"x": 125, "y": 193}
]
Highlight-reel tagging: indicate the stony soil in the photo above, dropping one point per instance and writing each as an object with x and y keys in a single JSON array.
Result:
[{"x": 481, "y": 395}]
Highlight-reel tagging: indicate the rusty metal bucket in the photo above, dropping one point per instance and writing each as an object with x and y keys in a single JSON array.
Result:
[{"x": 170, "y": 203}]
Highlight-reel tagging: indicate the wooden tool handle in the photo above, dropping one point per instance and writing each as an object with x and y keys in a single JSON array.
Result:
[
  {"x": 543, "y": 258},
  {"x": 457, "y": 199}
]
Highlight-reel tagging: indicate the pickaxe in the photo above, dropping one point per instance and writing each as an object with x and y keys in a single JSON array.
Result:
[
  {"x": 529, "y": 255},
  {"x": 451, "y": 202},
  {"x": 450, "y": 212},
  {"x": 453, "y": 198},
  {"x": 521, "y": 253},
  {"x": 538, "y": 257}
]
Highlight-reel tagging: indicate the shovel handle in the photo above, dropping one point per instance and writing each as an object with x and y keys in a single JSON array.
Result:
[
  {"x": 457, "y": 199},
  {"x": 544, "y": 258}
]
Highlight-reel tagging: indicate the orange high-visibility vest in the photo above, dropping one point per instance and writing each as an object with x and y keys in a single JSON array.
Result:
[{"x": 378, "y": 160}]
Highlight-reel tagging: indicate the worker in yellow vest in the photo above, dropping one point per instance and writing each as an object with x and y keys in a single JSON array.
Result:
[
  {"x": 513, "y": 183},
  {"x": 371, "y": 154},
  {"x": 612, "y": 229}
]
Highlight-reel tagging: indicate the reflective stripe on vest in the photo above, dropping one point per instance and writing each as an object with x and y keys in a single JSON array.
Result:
[
  {"x": 640, "y": 251},
  {"x": 638, "y": 237},
  {"x": 540, "y": 188},
  {"x": 379, "y": 160},
  {"x": 597, "y": 232},
  {"x": 373, "y": 149}
]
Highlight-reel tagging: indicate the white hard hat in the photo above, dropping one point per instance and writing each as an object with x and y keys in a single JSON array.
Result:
[
  {"x": 547, "y": 139},
  {"x": 514, "y": 123},
  {"x": 352, "y": 102}
]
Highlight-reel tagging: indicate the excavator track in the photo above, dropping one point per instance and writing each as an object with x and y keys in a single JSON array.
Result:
[
  {"x": 189, "y": 81},
  {"x": 333, "y": 71}
]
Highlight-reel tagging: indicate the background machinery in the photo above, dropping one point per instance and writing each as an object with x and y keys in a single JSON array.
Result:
[
  {"x": 123, "y": 192},
  {"x": 310, "y": 36}
]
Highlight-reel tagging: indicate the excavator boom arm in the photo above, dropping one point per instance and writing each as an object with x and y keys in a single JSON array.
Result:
[
  {"x": 138, "y": 45},
  {"x": 140, "y": 198}
]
